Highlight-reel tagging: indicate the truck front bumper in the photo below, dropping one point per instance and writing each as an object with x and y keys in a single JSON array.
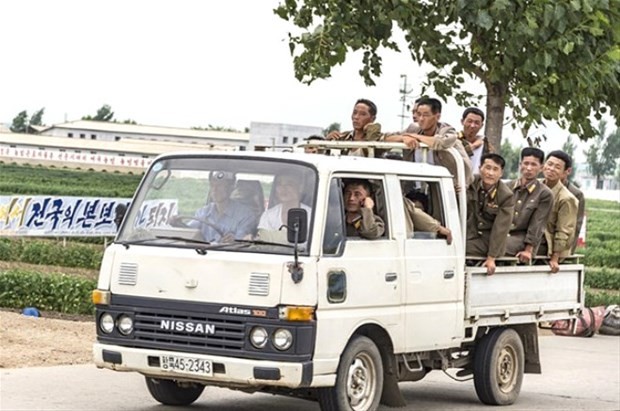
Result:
[{"x": 226, "y": 370}]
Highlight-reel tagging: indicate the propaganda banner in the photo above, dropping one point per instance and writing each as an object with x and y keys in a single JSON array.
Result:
[{"x": 25, "y": 215}]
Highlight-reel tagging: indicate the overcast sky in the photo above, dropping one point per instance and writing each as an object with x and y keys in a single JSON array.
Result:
[{"x": 181, "y": 63}]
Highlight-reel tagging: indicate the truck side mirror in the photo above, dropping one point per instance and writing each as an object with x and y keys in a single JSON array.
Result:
[{"x": 297, "y": 231}]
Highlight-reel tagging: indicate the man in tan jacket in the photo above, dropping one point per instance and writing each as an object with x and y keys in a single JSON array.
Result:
[
  {"x": 561, "y": 224},
  {"x": 437, "y": 135}
]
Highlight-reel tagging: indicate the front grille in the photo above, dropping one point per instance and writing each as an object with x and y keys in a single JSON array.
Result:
[{"x": 229, "y": 334}]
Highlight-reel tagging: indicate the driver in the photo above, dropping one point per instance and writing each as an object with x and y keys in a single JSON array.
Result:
[{"x": 224, "y": 219}]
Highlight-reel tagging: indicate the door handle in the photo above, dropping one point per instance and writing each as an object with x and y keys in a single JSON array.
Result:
[
  {"x": 448, "y": 274},
  {"x": 390, "y": 277}
]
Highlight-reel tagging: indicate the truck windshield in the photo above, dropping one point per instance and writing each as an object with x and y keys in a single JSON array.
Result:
[{"x": 225, "y": 203}]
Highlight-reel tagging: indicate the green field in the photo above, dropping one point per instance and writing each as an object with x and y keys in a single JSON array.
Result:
[
  {"x": 21, "y": 179},
  {"x": 601, "y": 254}
]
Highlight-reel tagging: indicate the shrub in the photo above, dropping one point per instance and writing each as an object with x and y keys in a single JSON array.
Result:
[
  {"x": 595, "y": 298},
  {"x": 603, "y": 277},
  {"x": 55, "y": 292},
  {"x": 50, "y": 252}
]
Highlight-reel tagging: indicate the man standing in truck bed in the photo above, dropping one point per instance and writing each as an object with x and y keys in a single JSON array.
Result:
[{"x": 490, "y": 205}]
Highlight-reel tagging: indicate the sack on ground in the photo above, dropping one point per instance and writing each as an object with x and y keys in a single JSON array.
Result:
[
  {"x": 611, "y": 322},
  {"x": 585, "y": 324}
]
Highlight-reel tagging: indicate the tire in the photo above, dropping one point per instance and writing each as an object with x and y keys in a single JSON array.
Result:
[
  {"x": 169, "y": 392},
  {"x": 359, "y": 380},
  {"x": 498, "y": 367}
]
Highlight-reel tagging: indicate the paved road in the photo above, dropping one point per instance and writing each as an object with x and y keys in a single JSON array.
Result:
[{"x": 578, "y": 374}]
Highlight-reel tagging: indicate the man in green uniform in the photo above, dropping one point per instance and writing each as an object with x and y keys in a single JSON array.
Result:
[
  {"x": 490, "y": 205},
  {"x": 533, "y": 201}
]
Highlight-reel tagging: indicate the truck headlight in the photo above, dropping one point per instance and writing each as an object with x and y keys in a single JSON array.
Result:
[
  {"x": 282, "y": 339},
  {"x": 259, "y": 337},
  {"x": 125, "y": 324},
  {"x": 106, "y": 323}
]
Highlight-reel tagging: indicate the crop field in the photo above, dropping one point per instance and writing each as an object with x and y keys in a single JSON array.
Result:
[
  {"x": 60, "y": 291},
  {"x": 20, "y": 179}
]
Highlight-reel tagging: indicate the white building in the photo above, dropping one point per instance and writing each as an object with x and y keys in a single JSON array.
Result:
[
  {"x": 109, "y": 131},
  {"x": 279, "y": 136}
]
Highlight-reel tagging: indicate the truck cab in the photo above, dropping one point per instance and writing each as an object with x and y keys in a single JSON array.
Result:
[{"x": 305, "y": 309}]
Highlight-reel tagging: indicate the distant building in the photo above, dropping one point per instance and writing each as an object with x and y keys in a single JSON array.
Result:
[
  {"x": 124, "y": 155},
  {"x": 587, "y": 182},
  {"x": 279, "y": 136},
  {"x": 110, "y": 131}
]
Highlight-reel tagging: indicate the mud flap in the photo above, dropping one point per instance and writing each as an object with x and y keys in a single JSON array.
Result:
[{"x": 392, "y": 397}]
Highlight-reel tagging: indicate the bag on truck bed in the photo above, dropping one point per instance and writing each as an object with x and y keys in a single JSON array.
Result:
[
  {"x": 611, "y": 322},
  {"x": 585, "y": 324}
]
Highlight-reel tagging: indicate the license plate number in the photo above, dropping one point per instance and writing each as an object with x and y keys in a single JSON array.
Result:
[{"x": 186, "y": 365}]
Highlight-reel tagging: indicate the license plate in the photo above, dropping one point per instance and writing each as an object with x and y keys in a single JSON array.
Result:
[{"x": 188, "y": 365}]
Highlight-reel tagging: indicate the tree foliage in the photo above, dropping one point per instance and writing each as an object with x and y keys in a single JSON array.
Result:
[
  {"x": 330, "y": 128},
  {"x": 602, "y": 155},
  {"x": 104, "y": 113},
  {"x": 569, "y": 146},
  {"x": 544, "y": 59},
  {"x": 37, "y": 118},
  {"x": 512, "y": 155},
  {"x": 20, "y": 123}
]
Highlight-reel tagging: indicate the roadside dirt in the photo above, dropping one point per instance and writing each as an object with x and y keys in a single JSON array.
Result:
[{"x": 52, "y": 339}]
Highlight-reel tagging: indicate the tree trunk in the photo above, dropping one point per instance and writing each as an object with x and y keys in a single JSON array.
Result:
[
  {"x": 599, "y": 182},
  {"x": 496, "y": 105}
]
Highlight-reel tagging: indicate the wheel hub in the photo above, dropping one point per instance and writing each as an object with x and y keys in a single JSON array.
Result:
[
  {"x": 507, "y": 369},
  {"x": 360, "y": 383}
]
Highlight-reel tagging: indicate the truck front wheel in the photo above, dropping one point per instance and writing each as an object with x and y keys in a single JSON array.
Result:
[
  {"x": 359, "y": 381},
  {"x": 172, "y": 392},
  {"x": 498, "y": 367}
]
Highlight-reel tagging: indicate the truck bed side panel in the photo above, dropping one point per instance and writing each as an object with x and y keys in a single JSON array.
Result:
[{"x": 522, "y": 294}]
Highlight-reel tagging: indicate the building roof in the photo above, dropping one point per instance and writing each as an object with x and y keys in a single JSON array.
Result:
[
  {"x": 111, "y": 127},
  {"x": 125, "y": 145}
]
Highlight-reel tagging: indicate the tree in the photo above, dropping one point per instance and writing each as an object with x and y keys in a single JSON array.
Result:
[
  {"x": 37, "y": 118},
  {"x": 543, "y": 59},
  {"x": 105, "y": 113},
  {"x": 20, "y": 123},
  {"x": 603, "y": 153},
  {"x": 330, "y": 128},
  {"x": 569, "y": 147},
  {"x": 512, "y": 155}
]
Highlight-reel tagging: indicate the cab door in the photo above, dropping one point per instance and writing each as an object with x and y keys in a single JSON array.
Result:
[
  {"x": 360, "y": 280},
  {"x": 433, "y": 295}
]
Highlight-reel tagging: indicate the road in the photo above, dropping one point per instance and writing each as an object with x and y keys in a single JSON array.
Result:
[{"x": 578, "y": 374}]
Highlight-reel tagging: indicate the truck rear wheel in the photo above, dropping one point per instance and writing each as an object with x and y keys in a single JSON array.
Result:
[
  {"x": 170, "y": 392},
  {"x": 498, "y": 367},
  {"x": 359, "y": 381}
]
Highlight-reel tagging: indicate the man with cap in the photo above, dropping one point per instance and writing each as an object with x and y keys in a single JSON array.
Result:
[{"x": 224, "y": 219}]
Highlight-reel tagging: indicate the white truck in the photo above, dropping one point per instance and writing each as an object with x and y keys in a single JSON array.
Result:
[{"x": 314, "y": 313}]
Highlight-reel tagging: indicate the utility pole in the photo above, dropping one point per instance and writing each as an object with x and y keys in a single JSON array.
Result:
[{"x": 404, "y": 93}]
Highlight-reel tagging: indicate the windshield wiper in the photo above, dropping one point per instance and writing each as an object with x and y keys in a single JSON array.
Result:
[
  {"x": 260, "y": 242},
  {"x": 163, "y": 237}
]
